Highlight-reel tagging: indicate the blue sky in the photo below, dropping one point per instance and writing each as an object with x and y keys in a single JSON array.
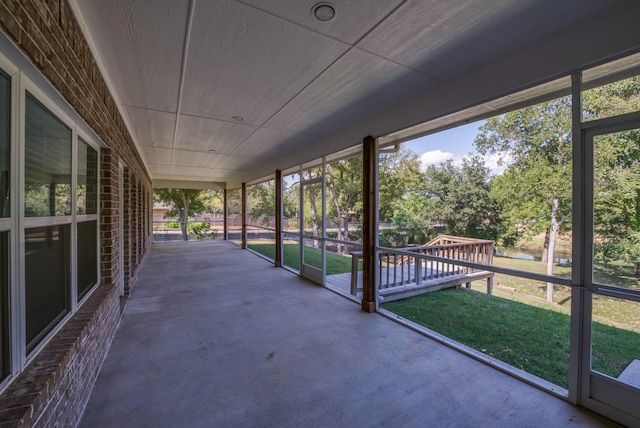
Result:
[{"x": 452, "y": 144}]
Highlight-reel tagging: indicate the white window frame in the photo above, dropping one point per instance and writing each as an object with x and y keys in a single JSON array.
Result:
[{"x": 16, "y": 224}]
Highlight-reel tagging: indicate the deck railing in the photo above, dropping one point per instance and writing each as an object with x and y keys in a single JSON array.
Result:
[
  {"x": 402, "y": 266},
  {"x": 429, "y": 262}
]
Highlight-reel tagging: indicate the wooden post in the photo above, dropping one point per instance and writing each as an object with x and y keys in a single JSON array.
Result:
[
  {"x": 369, "y": 186},
  {"x": 244, "y": 216},
  {"x": 225, "y": 215},
  {"x": 279, "y": 246}
]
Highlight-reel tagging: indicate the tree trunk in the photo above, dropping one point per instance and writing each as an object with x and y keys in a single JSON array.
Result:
[
  {"x": 314, "y": 214},
  {"x": 339, "y": 215},
  {"x": 185, "y": 216},
  {"x": 553, "y": 234},
  {"x": 545, "y": 248},
  {"x": 638, "y": 269}
]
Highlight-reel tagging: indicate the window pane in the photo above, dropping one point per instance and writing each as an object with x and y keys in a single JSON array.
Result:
[
  {"x": 87, "y": 179},
  {"x": 612, "y": 99},
  {"x": 87, "y": 257},
  {"x": 4, "y": 305},
  {"x": 5, "y": 143},
  {"x": 47, "y": 162},
  {"x": 234, "y": 216},
  {"x": 616, "y": 209},
  {"x": 46, "y": 280},
  {"x": 615, "y": 342},
  {"x": 261, "y": 204}
]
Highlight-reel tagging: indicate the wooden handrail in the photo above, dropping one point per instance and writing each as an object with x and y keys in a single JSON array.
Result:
[{"x": 399, "y": 269}]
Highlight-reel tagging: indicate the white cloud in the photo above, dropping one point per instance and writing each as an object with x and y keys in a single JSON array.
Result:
[
  {"x": 435, "y": 157},
  {"x": 493, "y": 162}
]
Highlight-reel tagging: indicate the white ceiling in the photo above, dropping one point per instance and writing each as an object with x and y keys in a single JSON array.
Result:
[{"x": 181, "y": 70}]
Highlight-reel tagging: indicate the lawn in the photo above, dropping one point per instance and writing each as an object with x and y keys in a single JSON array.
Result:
[
  {"x": 605, "y": 309},
  {"x": 530, "y": 338},
  {"x": 336, "y": 263}
]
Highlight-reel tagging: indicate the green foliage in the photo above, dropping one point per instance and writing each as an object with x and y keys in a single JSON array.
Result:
[
  {"x": 182, "y": 203},
  {"x": 344, "y": 193},
  {"x": 617, "y": 174},
  {"x": 173, "y": 224},
  {"x": 261, "y": 199},
  {"x": 37, "y": 198},
  {"x": 200, "y": 230},
  {"x": 536, "y": 140},
  {"x": 399, "y": 175},
  {"x": 459, "y": 197}
]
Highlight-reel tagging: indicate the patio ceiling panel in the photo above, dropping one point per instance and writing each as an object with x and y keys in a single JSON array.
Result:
[
  {"x": 141, "y": 44},
  {"x": 247, "y": 63},
  {"x": 153, "y": 128},
  {"x": 200, "y": 173},
  {"x": 160, "y": 170},
  {"x": 156, "y": 155},
  {"x": 241, "y": 164},
  {"x": 451, "y": 37},
  {"x": 271, "y": 143},
  {"x": 356, "y": 18},
  {"x": 202, "y": 134},
  {"x": 185, "y": 158},
  {"x": 348, "y": 91}
]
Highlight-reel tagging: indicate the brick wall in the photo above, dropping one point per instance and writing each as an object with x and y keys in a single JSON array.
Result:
[
  {"x": 54, "y": 388},
  {"x": 109, "y": 207},
  {"x": 127, "y": 232}
]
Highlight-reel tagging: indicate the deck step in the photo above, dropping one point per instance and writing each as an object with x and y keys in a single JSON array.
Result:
[
  {"x": 631, "y": 374},
  {"x": 409, "y": 290}
]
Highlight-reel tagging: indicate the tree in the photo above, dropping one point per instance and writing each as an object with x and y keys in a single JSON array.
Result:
[
  {"x": 312, "y": 197},
  {"x": 344, "y": 194},
  {"x": 399, "y": 174},
  {"x": 537, "y": 140},
  {"x": 261, "y": 199},
  {"x": 400, "y": 177},
  {"x": 182, "y": 202},
  {"x": 213, "y": 201},
  {"x": 616, "y": 174},
  {"x": 462, "y": 198}
]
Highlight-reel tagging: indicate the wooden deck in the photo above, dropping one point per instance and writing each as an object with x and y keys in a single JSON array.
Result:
[
  {"x": 407, "y": 272},
  {"x": 341, "y": 283}
]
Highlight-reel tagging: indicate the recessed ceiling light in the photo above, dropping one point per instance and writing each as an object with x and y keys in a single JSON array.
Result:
[
  {"x": 237, "y": 118},
  {"x": 212, "y": 150},
  {"x": 323, "y": 12}
]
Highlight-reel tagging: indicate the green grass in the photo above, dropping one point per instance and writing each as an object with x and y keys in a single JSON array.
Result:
[
  {"x": 530, "y": 338},
  {"x": 605, "y": 309},
  {"x": 336, "y": 263}
]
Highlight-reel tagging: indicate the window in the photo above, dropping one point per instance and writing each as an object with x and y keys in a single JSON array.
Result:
[
  {"x": 47, "y": 193},
  {"x": 87, "y": 256},
  {"x": 5, "y": 143},
  {"x": 5, "y": 167},
  {"x": 4, "y": 305},
  {"x": 87, "y": 195},
  {"x": 47, "y": 181},
  {"x": 47, "y": 278},
  {"x": 87, "y": 209}
]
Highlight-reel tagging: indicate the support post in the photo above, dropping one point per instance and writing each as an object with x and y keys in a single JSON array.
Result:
[
  {"x": 225, "y": 215},
  {"x": 279, "y": 246},
  {"x": 369, "y": 224},
  {"x": 244, "y": 216}
]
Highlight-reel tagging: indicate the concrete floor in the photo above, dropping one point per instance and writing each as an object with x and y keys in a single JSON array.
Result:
[{"x": 215, "y": 336}]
